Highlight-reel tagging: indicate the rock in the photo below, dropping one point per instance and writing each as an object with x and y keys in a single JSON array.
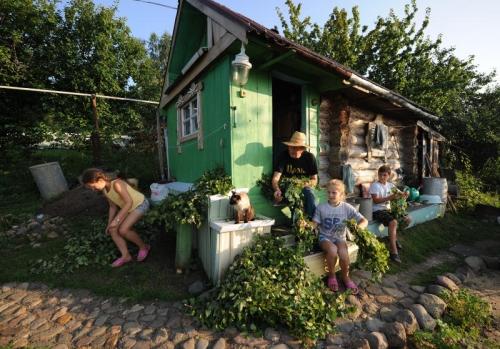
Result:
[
  {"x": 353, "y": 301},
  {"x": 371, "y": 308},
  {"x": 492, "y": 262},
  {"x": 202, "y": 344},
  {"x": 375, "y": 290},
  {"x": 196, "y": 287},
  {"x": 279, "y": 346},
  {"x": 436, "y": 289},
  {"x": 272, "y": 335},
  {"x": 161, "y": 336},
  {"x": 425, "y": 321},
  {"x": 189, "y": 344},
  {"x": 359, "y": 343},
  {"x": 434, "y": 305},
  {"x": 417, "y": 288},
  {"x": 374, "y": 324},
  {"x": 344, "y": 325},
  {"x": 408, "y": 320},
  {"x": 377, "y": 340},
  {"x": 446, "y": 282},
  {"x": 394, "y": 292},
  {"x": 387, "y": 314},
  {"x": 52, "y": 235},
  {"x": 475, "y": 263},
  {"x": 464, "y": 251},
  {"x": 385, "y": 299},
  {"x": 453, "y": 278},
  {"x": 395, "y": 334},
  {"x": 220, "y": 344}
]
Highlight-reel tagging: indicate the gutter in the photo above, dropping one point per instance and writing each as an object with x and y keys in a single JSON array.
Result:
[{"x": 356, "y": 80}]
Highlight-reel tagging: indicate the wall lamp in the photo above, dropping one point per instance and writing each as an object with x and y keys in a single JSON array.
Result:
[{"x": 240, "y": 69}]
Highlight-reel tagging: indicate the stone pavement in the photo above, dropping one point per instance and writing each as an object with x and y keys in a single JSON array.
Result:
[{"x": 386, "y": 313}]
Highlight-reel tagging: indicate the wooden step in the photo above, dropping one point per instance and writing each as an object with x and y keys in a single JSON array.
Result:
[{"x": 317, "y": 262}]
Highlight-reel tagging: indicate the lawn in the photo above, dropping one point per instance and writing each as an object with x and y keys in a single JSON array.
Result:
[{"x": 156, "y": 278}]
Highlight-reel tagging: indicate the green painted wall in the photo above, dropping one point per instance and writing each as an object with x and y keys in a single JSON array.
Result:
[
  {"x": 192, "y": 162},
  {"x": 190, "y": 36}
]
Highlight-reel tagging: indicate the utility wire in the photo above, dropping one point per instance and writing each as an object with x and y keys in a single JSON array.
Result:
[
  {"x": 76, "y": 94},
  {"x": 157, "y": 4}
]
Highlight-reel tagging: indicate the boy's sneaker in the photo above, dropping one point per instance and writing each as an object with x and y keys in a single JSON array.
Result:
[
  {"x": 395, "y": 258},
  {"x": 398, "y": 245}
]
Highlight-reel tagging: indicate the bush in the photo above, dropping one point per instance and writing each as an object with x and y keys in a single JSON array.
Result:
[
  {"x": 490, "y": 174},
  {"x": 270, "y": 285},
  {"x": 461, "y": 325}
]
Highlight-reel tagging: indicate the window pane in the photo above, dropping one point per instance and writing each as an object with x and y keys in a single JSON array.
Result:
[{"x": 187, "y": 128}]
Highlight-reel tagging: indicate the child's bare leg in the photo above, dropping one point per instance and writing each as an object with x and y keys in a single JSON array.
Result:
[
  {"x": 331, "y": 255},
  {"x": 393, "y": 226},
  {"x": 120, "y": 243},
  {"x": 344, "y": 260},
  {"x": 128, "y": 233}
]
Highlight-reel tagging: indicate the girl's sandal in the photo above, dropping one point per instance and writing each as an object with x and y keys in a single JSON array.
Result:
[
  {"x": 350, "y": 285},
  {"x": 143, "y": 254},
  {"x": 119, "y": 262},
  {"x": 332, "y": 284}
]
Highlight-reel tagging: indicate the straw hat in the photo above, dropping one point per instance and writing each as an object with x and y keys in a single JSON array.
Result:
[{"x": 298, "y": 139}]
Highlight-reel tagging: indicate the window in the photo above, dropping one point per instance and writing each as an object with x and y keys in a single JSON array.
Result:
[{"x": 189, "y": 116}]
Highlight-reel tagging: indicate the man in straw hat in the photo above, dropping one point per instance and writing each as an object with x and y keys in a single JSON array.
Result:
[{"x": 296, "y": 161}]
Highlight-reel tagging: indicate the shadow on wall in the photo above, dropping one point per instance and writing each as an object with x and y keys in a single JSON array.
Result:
[{"x": 254, "y": 154}]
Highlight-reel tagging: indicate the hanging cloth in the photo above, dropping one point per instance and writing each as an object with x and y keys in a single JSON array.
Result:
[
  {"x": 348, "y": 178},
  {"x": 381, "y": 136}
]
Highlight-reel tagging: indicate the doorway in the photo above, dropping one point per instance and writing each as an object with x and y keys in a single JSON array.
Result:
[{"x": 287, "y": 113}]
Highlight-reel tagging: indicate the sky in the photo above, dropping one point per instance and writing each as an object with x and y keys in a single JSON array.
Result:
[{"x": 468, "y": 26}]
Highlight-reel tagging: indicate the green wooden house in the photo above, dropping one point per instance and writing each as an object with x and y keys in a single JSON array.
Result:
[
  {"x": 211, "y": 120},
  {"x": 210, "y": 123}
]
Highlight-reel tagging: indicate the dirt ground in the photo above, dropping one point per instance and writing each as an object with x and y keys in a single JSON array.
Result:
[{"x": 77, "y": 201}]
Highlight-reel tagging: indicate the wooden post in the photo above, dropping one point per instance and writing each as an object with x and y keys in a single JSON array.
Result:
[
  {"x": 159, "y": 141},
  {"x": 95, "y": 138}
]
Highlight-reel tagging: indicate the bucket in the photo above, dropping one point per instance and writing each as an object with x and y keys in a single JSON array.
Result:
[
  {"x": 49, "y": 179},
  {"x": 363, "y": 205},
  {"x": 158, "y": 192},
  {"x": 366, "y": 207},
  {"x": 435, "y": 186}
]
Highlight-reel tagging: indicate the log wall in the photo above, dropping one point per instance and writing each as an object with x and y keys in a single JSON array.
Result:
[{"x": 343, "y": 129}]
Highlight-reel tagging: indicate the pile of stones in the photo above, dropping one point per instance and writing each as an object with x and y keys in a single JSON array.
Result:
[{"x": 38, "y": 229}]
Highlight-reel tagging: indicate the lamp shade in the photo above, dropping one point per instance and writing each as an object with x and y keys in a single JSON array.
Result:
[{"x": 241, "y": 66}]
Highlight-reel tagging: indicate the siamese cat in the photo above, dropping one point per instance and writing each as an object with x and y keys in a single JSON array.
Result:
[{"x": 243, "y": 210}]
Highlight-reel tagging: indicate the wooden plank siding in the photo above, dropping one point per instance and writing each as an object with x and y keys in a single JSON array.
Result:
[{"x": 342, "y": 140}]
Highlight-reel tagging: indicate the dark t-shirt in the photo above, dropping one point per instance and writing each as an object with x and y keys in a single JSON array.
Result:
[{"x": 303, "y": 166}]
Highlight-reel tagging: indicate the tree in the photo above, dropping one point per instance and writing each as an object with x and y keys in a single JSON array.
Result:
[{"x": 397, "y": 54}]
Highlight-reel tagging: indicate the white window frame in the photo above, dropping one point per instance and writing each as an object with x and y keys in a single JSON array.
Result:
[{"x": 186, "y": 103}]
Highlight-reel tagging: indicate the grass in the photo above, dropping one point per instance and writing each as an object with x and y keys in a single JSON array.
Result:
[
  {"x": 425, "y": 239},
  {"x": 429, "y": 276},
  {"x": 153, "y": 280}
]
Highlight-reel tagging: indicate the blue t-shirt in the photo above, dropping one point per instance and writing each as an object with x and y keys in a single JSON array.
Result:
[{"x": 331, "y": 220}]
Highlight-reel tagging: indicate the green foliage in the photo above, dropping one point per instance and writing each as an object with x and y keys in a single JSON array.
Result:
[
  {"x": 399, "y": 209},
  {"x": 190, "y": 207},
  {"x": 470, "y": 189},
  {"x": 270, "y": 285},
  {"x": 92, "y": 247},
  {"x": 490, "y": 173},
  {"x": 397, "y": 53},
  {"x": 372, "y": 254},
  {"x": 466, "y": 315},
  {"x": 80, "y": 47},
  {"x": 293, "y": 197},
  {"x": 466, "y": 310}
]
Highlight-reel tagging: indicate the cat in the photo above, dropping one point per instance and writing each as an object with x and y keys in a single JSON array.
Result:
[{"x": 243, "y": 210}]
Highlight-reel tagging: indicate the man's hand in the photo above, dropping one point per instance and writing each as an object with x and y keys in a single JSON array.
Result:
[{"x": 278, "y": 196}]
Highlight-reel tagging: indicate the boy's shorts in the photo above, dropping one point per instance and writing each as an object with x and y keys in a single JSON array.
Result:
[
  {"x": 383, "y": 216},
  {"x": 144, "y": 207}
]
